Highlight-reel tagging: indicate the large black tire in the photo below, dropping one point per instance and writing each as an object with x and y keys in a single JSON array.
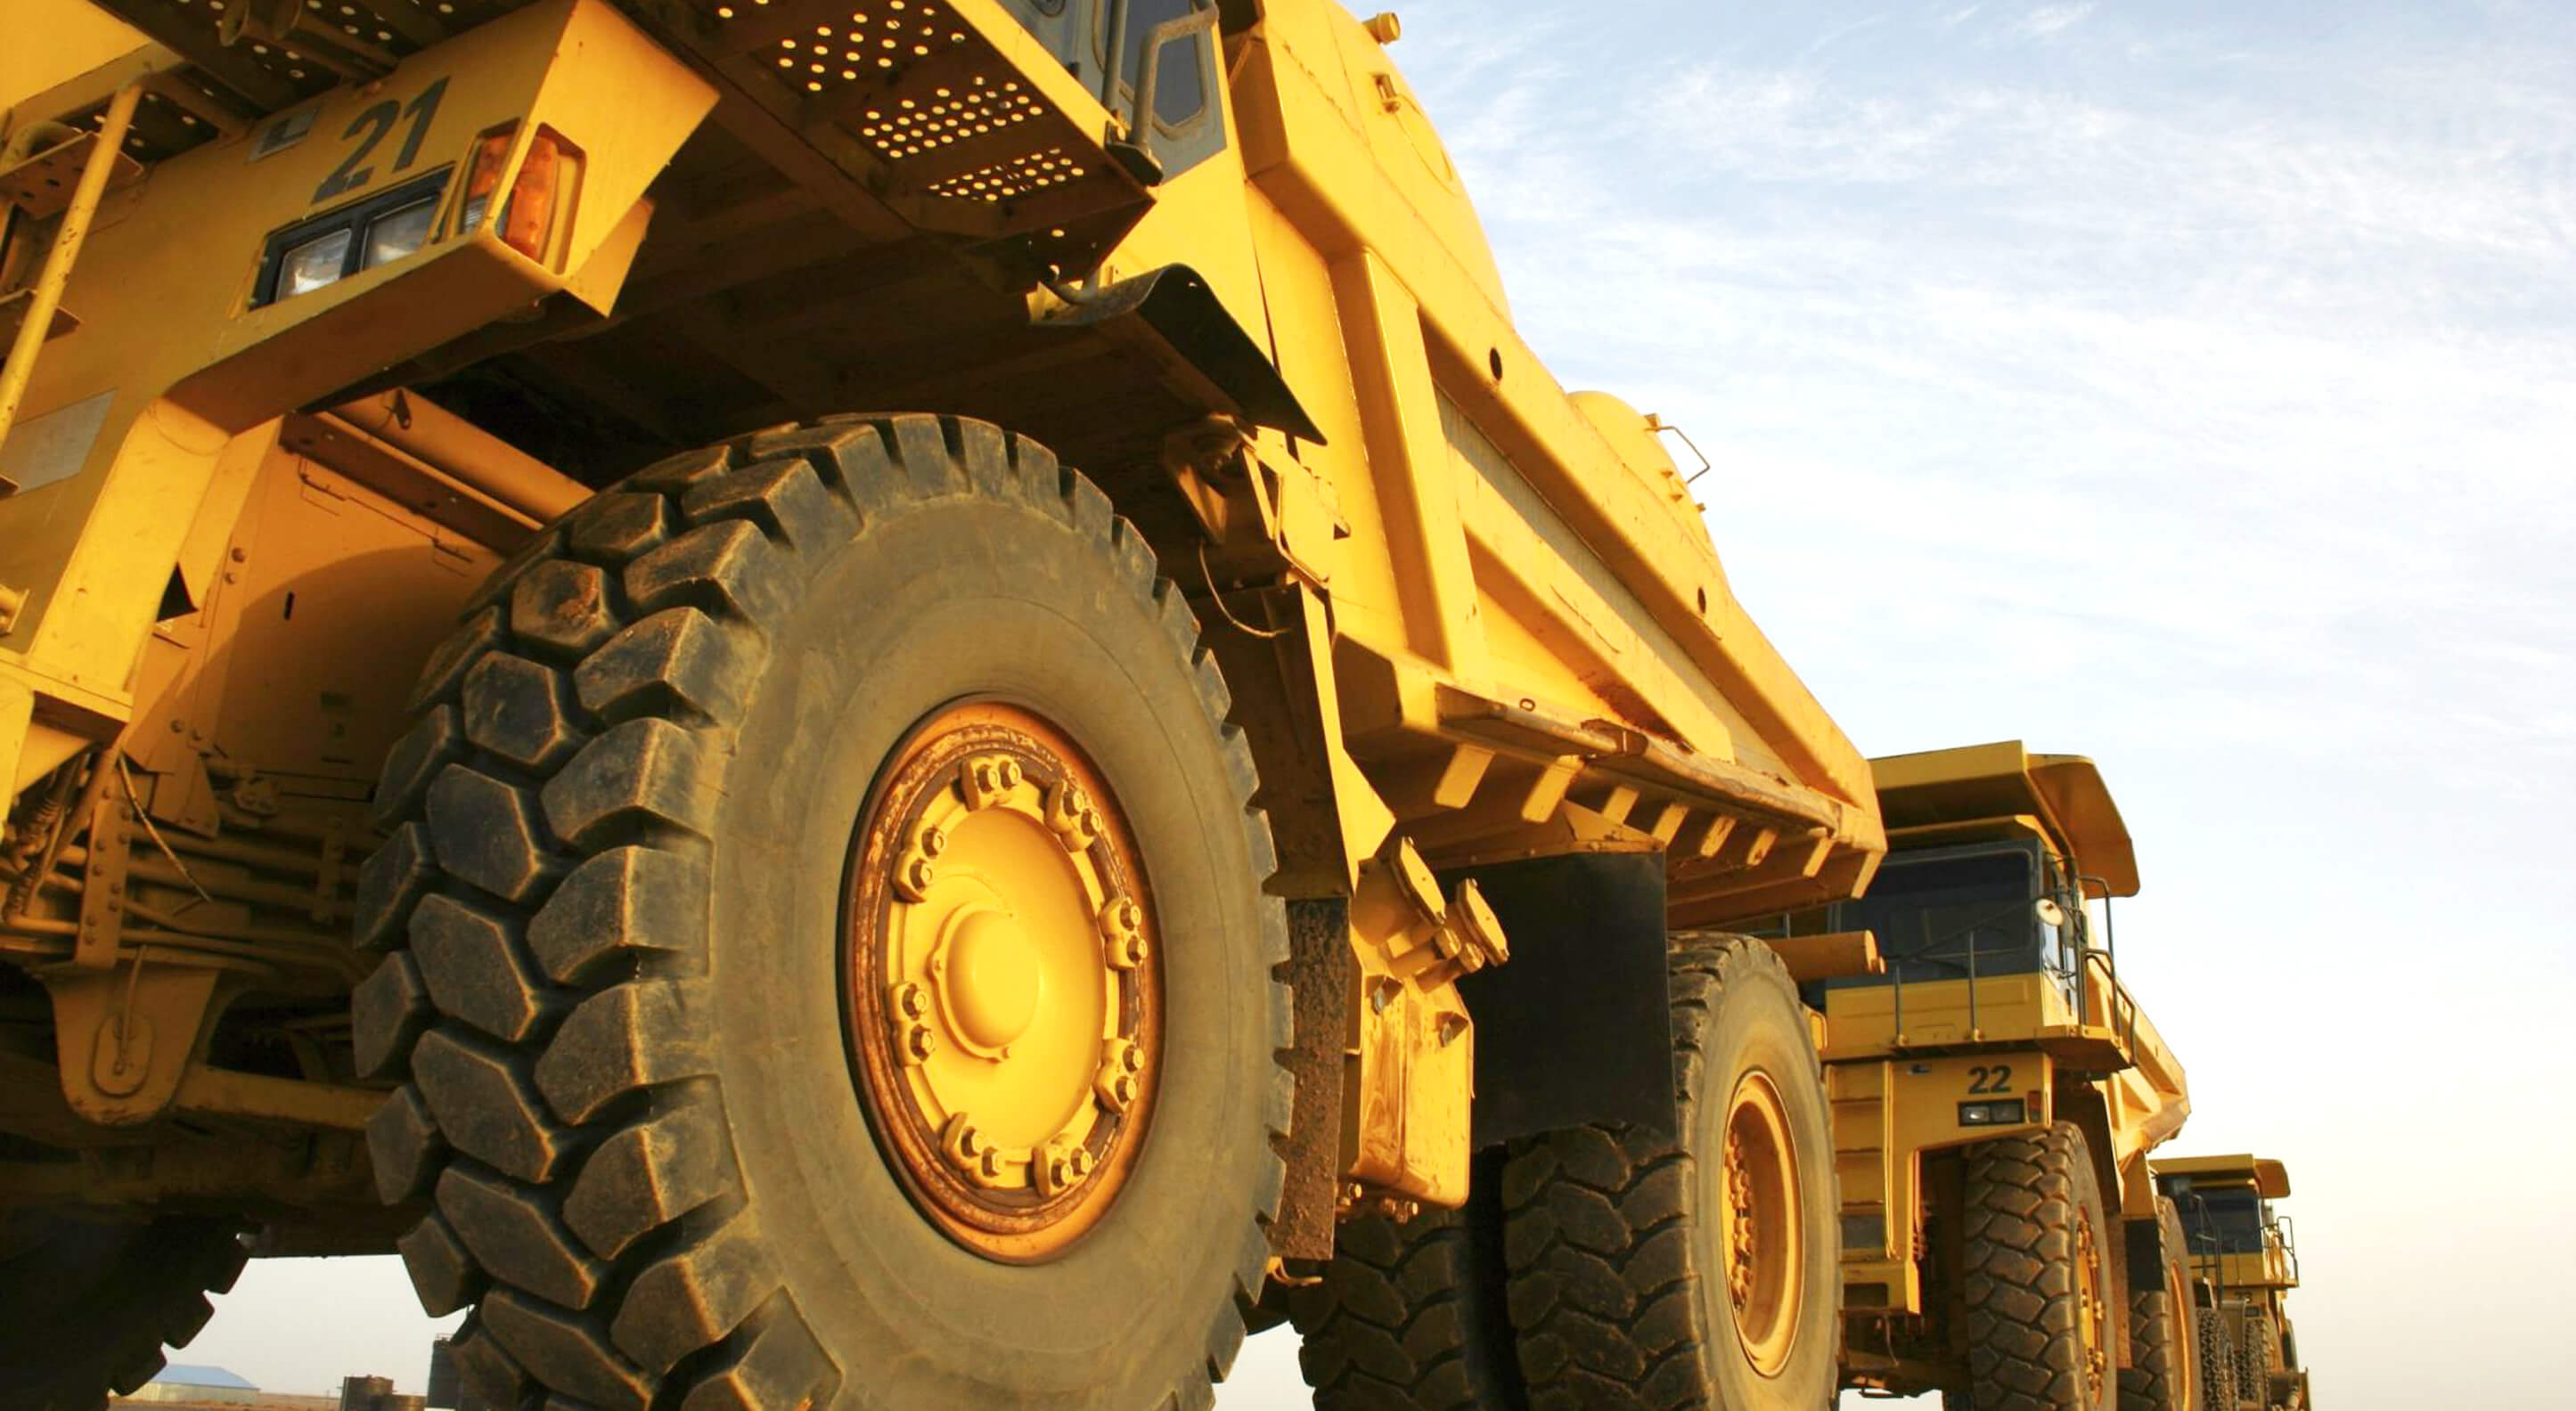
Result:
[
  {"x": 2255, "y": 1345},
  {"x": 2024, "y": 1201},
  {"x": 1411, "y": 1317},
  {"x": 2162, "y": 1344},
  {"x": 2217, "y": 1360},
  {"x": 618, "y": 833},
  {"x": 1620, "y": 1290},
  {"x": 92, "y": 1300}
]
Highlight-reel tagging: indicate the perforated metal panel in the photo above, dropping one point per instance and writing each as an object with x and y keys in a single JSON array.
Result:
[{"x": 947, "y": 113}]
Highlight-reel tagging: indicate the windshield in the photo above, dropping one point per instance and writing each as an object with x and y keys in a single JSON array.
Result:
[
  {"x": 2223, "y": 1222},
  {"x": 1930, "y": 908}
]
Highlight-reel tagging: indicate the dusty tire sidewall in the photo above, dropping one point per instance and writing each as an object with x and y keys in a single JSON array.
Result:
[
  {"x": 1758, "y": 1027},
  {"x": 932, "y": 603}
]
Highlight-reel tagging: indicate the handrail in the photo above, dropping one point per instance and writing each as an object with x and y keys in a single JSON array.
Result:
[
  {"x": 2111, "y": 957},
  {"x": 1896, "y": 973},
  {"x": 1976, "y": 1031},
  {"x": 68, "y": 238}
]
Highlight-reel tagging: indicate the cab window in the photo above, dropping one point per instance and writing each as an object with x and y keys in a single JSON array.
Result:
[{"x": 1188, "y": 127}]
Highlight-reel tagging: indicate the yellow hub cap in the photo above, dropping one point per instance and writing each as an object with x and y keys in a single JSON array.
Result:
[
  {"x": 1760, "y": 1222},
  {"x": 1001, "y": 983},
  {"x": 2091, "y": 1314},
  {"x": 2178, "y": 1324}
]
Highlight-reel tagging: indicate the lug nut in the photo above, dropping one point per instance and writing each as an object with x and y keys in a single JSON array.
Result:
[{"x": 1122, "y": 933}]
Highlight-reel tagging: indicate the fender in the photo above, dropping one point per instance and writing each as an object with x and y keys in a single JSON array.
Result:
[{"x": 1172, "y": 322}]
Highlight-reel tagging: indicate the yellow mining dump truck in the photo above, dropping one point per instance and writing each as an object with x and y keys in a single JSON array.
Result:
[
  {"x": 1996, "y": 1091},
  {"x": 793, "y": 906},
  {"x": 2246, "y": 1260}
]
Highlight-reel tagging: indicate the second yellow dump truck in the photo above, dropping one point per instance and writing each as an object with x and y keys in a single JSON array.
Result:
[
  {"x": 2245, "y": 1259},
  {"x": 845, "y": 703},
  {"x": 1996, "y": 1092}
]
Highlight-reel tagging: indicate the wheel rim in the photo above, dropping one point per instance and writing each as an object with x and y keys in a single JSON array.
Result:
[
  {"x": 2090, "y": 1313},
  {"x": 1001, "y": 981},
  {"x": 1759, "y": 1216},
  {"x": 2177, "y": 1308}
]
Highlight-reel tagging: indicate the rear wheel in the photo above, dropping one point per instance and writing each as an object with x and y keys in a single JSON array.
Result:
[
  {"x": 1411, "y": 1317},
  {"x": 829, "y": 959},
  {"x": 2254, "y": 1358},
  {"x": 1698, "y": 1272},
  {"x": 2164, "y": 1353},
  {"x": 2217, "y": 1359},
  {"x": 2036, "y": 1287},
  {"x": 92, "y": 1300}
]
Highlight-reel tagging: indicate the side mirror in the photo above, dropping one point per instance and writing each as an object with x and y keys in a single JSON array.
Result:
[{"x": 2050, "y": 913}]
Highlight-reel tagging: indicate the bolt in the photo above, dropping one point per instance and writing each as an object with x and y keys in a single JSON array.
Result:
[
  {"x": 915, "y": 876},
  {"x": 988, "y": 777},
  {"x": 1061, "y": 1167},
  {"x": 1122, "y": 933},
  {"x": 918, "y": 1043},
  {"x": 933, "y": 841},
  {"x": 911, "y": 1001},
  {"x": 1070, "y": 813},
  {"x": 1120, "y": 1080}
]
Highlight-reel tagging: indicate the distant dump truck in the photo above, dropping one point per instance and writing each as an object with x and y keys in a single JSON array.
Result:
[
  {"x": 2245, "y": 1259},
  {"x": 1996, "y": 1091},
  {"x": 772, "y": 904}
]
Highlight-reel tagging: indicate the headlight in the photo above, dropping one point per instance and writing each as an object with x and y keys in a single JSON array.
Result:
[
  {"x": 313, "y": 262},
  {"x": 2002, "y": 1112},
  {"x": 311, "y": 254},
  {"x": 399, "y": 232}
]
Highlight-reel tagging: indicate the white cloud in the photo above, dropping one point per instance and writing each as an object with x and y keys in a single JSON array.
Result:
[{"x": 2041, "y": 21}]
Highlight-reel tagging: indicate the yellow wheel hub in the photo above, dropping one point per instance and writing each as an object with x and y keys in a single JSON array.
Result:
[
  {"x": 1759, "y": 1218},
  {"x": 1000, "y": 981},
  {"x": 2091, "y": 1312},
  {"x": 2186, "y": 1342}
]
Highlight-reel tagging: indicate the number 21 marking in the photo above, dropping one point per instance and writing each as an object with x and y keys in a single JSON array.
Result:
[{"x": 375, "y": 123}]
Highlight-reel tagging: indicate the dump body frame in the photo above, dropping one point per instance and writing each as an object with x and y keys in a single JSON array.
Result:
[
  {"x": 1468, "y": 620},
  {"x": 1919, "y": 1069}
]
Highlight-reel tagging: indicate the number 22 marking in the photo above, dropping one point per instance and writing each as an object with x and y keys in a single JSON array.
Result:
[
  {"x": 375, "y": 123},
  {"x": 1997, "y": 1079}
]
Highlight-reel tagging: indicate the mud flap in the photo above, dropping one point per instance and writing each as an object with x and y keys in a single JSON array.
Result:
[
  {"x": 1175, "y": 323},
  {"x": 1575, "y": 1028}
]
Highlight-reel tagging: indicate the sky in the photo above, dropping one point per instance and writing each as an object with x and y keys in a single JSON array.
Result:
[{"x": 2190, "y": 385}]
